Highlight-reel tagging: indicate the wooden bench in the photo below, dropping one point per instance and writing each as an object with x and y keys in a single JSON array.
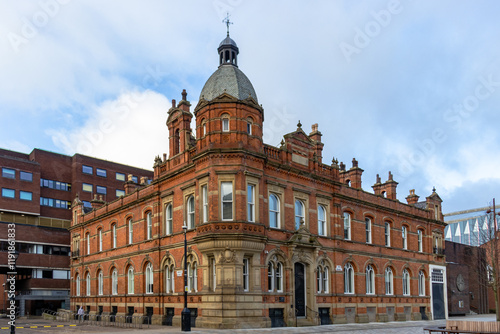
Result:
[{"x": 467, "y": 327}]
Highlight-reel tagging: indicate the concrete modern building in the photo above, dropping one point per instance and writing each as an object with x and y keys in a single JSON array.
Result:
[
  {"x": 36, "y": 194},
  {"x": 275, "y": 235}
]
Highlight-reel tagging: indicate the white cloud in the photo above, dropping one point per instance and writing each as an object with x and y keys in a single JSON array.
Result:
[{"x": 130, "y": 129}]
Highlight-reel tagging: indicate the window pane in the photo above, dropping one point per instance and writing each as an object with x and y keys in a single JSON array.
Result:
[
  {"x": 273, "y": 211},
  {"x": 26, "y": 176},
  {"x": 87, "y": 187},
  {"x": 10, "y": 193},
  {"x": 250, "y": 203},
  {"x": 134, "y": 179},
  {"x": 9, "y": 173},
  {"x": 26, "y": 195},
  {"x": 100, "y": 172},
  {"x": 225, "y": 124},
  {"x": 101, "y": 190},
  {"x": 86, "y": 169},
  {"x": 120, "y": 192},
  {"x": 347, "y": 226},
  {"x": 227, "y": 200},
  {"x": 120, "y": 176}
]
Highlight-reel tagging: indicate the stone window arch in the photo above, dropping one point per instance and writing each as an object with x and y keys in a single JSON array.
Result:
[
  {"x": 348, "y": 278},
  {"x": 389, "y": 281},
  {"x": 370, "y": 280},
  {"x": 149, "y": 278}
]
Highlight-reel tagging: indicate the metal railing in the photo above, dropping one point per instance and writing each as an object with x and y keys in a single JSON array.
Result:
[
  {"x": 315, "y": 315},
  {"x": 125, "y": 321}
]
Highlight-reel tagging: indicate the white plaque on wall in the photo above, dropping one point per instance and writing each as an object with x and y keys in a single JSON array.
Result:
[{"x": 179, "y": 273}]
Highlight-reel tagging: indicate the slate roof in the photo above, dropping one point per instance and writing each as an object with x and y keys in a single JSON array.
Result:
[{"x": 228, "y": 79}]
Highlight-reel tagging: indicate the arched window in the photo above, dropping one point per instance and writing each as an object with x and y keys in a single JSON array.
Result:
[
  {"x": 389, "y": 286},
  {"x": 348, "y": 278},
  {"x": 368, "y": 230},
  {"x": 87, "y": 236},
  {"x": 77, "y": 285},
  {"x": 169, "y": 276},
  {"x": 113, "y": 234},
  {"x": 168, "y": 219},
  {"x": 406, "y": 283},
  {"x": 130, "y": 231},
  {"x": 325, "y": 280},
  {"x": 274, "y": 211},
  {"x": 204, "y": 128},
  {"x": 149, "y": 278},
  {"x": 370, "y": 280},
  {"x": 177, "y": 142},
  {"x": 347, "y": 226},
  {"x": 420, "y": 244},
  {"x": 87, "y": 283},
  {"x": 190, "y": 212},
  {"x": 275, "y": 275},
  {"x": 192, "y": 277},
  {"x": 225, "y": 123},
  {"x": 130, "y": 280},
  {"x": 114, "y": 282},
  {"x": 387, "y": 231},
  {"x": 322, "y": 277},
  {"x": 249, "y": 125},
  {"x": 299, "y": 213},
  {"x": 421, "y": 283},
  {"x": 279, "y": 277},
  {"x": 99, "y": 235},
  {"x": 321, "y": 220},
  {"x": 270, "y": 276},
  {"x": 405, "y": 237},
  {"x": 149, "y": 225},
  {"x": 319, "y": 278},
  {"x": 100, "y": 281}
]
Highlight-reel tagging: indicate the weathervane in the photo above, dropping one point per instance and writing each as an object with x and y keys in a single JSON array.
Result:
[{"x": 227, "y": 22}]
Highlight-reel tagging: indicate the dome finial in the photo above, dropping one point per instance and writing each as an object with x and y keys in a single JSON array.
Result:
[{"x": 227, "y": 22}]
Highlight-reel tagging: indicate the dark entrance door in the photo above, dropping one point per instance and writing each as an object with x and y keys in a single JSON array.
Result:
[
  {"x": 300, "y": 292},
  {"x": 438, "y": 301}
]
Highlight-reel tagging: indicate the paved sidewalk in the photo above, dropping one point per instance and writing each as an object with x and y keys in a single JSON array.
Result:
[{"x": 408, "y": 327}]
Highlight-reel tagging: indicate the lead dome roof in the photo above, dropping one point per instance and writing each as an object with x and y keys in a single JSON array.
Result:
[{"x": 228, "y": 79}]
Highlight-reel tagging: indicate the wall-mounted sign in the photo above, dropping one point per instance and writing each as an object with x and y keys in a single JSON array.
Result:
[
  {"x": 338, "y": 268},
  {"x": 179, "y": 273}
]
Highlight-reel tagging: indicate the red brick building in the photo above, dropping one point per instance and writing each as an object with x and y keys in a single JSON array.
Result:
[
  {"x": 276, "y": 236},
  {"x": 36, "y": 194}
]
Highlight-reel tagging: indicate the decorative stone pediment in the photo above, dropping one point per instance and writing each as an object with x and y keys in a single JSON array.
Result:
[{"x": 302, "y": 237}]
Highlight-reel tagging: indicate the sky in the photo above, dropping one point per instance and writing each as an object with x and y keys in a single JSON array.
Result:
[{"x": 410, "y": 87}]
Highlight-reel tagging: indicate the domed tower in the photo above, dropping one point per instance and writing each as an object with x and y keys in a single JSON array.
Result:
[{"x": 228, "y": 114}]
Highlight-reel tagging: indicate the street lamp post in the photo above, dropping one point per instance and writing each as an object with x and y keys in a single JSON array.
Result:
[
  {"x": 186, "y": 314},
  {"x": 13, "y": 296}
]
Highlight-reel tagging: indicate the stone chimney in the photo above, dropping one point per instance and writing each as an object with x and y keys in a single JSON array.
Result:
[
  {"x": 130, "y": 185},
  {"x": 389, "y": 187},
  {"x": 377, "y": 187},
  {"x": 96, "y": 203},
  {"x": 412, "y": 199}
]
